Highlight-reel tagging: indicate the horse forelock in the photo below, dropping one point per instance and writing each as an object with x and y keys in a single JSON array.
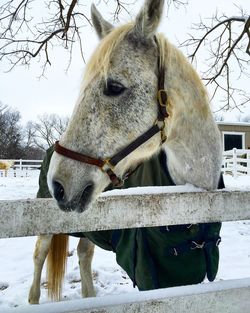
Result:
[{"x": 99, "y": 62}]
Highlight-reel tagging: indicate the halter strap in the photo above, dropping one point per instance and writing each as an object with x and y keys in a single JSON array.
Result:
[
  {"x": 107, "y": 165},
  {"x": 78, "y": 156},
  {"x": 134, "y": 145}
]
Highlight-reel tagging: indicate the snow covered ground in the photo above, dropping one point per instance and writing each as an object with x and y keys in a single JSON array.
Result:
[{"x": 17, "y": 266}]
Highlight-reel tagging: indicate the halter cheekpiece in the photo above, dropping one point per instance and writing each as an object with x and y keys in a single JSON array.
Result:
[{"x": 107, "y": 165}]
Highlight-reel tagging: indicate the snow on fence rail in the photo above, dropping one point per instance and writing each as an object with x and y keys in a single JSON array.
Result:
[
  {"x": 41, "y": 216},
  {"x": 236, "y": 162}
]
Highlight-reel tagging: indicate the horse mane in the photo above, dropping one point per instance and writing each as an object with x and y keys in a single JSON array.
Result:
[{"x": 179, "y": 70}]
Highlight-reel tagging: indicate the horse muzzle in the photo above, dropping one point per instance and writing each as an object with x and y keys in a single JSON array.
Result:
[{"x": 79, "y": 203}]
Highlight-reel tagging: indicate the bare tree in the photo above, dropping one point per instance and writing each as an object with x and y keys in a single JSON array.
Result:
[
  {"x": 31, "y": 142},
  {"x": 226, "y": 42},
  {"x": 10, "y": 133},
  {"x": 30, "y": 30},
  {"x": 45, "y": 131},
  {"x": 25, "y": 34},
  {"x": 3, "y": 107}
]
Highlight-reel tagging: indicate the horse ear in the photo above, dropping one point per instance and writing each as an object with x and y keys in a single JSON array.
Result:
[
  {"x": 101, "y": 26},
  {"x": 148, "y": 18}
]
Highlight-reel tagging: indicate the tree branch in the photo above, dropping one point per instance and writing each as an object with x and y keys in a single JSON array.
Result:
[
  {"x": 23, "y": 39},
  {"x": 223, "y": 44}
]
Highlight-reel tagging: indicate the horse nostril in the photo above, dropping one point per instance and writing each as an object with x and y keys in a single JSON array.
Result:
[
  {"x": 58, "y": 191},
  {"x": 86, "y": 195},
  {"x": 87, "y": 191}
]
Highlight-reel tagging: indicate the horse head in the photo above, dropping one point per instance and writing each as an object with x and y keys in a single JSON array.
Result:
[{"x": 118, "y": 104}]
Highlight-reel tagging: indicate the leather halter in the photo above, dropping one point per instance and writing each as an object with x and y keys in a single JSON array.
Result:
[{"x": 107, "y": 165}]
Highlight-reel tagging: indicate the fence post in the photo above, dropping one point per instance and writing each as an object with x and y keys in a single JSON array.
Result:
[
  {"x": 21, "y": 164},
  {"x": 234, "y": 162}
]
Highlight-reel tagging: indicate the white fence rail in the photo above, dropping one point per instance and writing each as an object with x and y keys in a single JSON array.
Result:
[
  {"x": 41, "y": 216},
  {"x": 220, "y": 297},
  {"x": 27, "y": 164},
  {"x": 236, "y": 162}
]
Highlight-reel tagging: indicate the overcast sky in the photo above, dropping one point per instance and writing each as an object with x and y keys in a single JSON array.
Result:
[{"x": 57, "y": 93}]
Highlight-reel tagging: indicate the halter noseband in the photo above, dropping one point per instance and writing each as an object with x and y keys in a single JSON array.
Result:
[{"x": 107, "y": 165}]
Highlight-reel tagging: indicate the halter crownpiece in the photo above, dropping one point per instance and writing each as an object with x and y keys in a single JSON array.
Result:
[{"x": 107, "y": 165}]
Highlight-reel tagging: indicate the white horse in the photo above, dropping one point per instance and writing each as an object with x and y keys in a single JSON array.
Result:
[
  {"x": 122, "y": 118},
  {"x": 117, "y": 104}
]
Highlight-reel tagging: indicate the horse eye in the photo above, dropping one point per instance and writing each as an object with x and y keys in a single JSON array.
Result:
[{"x": 113, "y": 88}]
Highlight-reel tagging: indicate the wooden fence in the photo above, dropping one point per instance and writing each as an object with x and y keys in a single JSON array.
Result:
[
  {"x": 41, "y": 216},
  {"x": 236, "y": 162}
]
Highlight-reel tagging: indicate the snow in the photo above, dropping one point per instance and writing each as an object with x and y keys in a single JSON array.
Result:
[
  {"x": 152, "y": 190},
  {"x": 16, "y": 254},
  {"x": 232, "y": 184},
  {"x": 156, "y": 297}
]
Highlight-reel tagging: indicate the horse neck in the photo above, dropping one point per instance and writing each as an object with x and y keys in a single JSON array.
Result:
[{"x": 193, "y": 141}]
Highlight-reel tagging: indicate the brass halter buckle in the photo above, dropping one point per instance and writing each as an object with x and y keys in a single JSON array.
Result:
[
  {"x": 108, "y": 168},
  {"x": 107, "y": 165},
  {"x": 162, "y": 97}
]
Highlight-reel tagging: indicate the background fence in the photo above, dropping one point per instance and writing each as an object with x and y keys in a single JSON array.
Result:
[
  {"x": 26, "y": 164},
  {"x": 42, "y": 216},
  {"x": 20, "y": 167},
  {"x": 236, "y": 162}
]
